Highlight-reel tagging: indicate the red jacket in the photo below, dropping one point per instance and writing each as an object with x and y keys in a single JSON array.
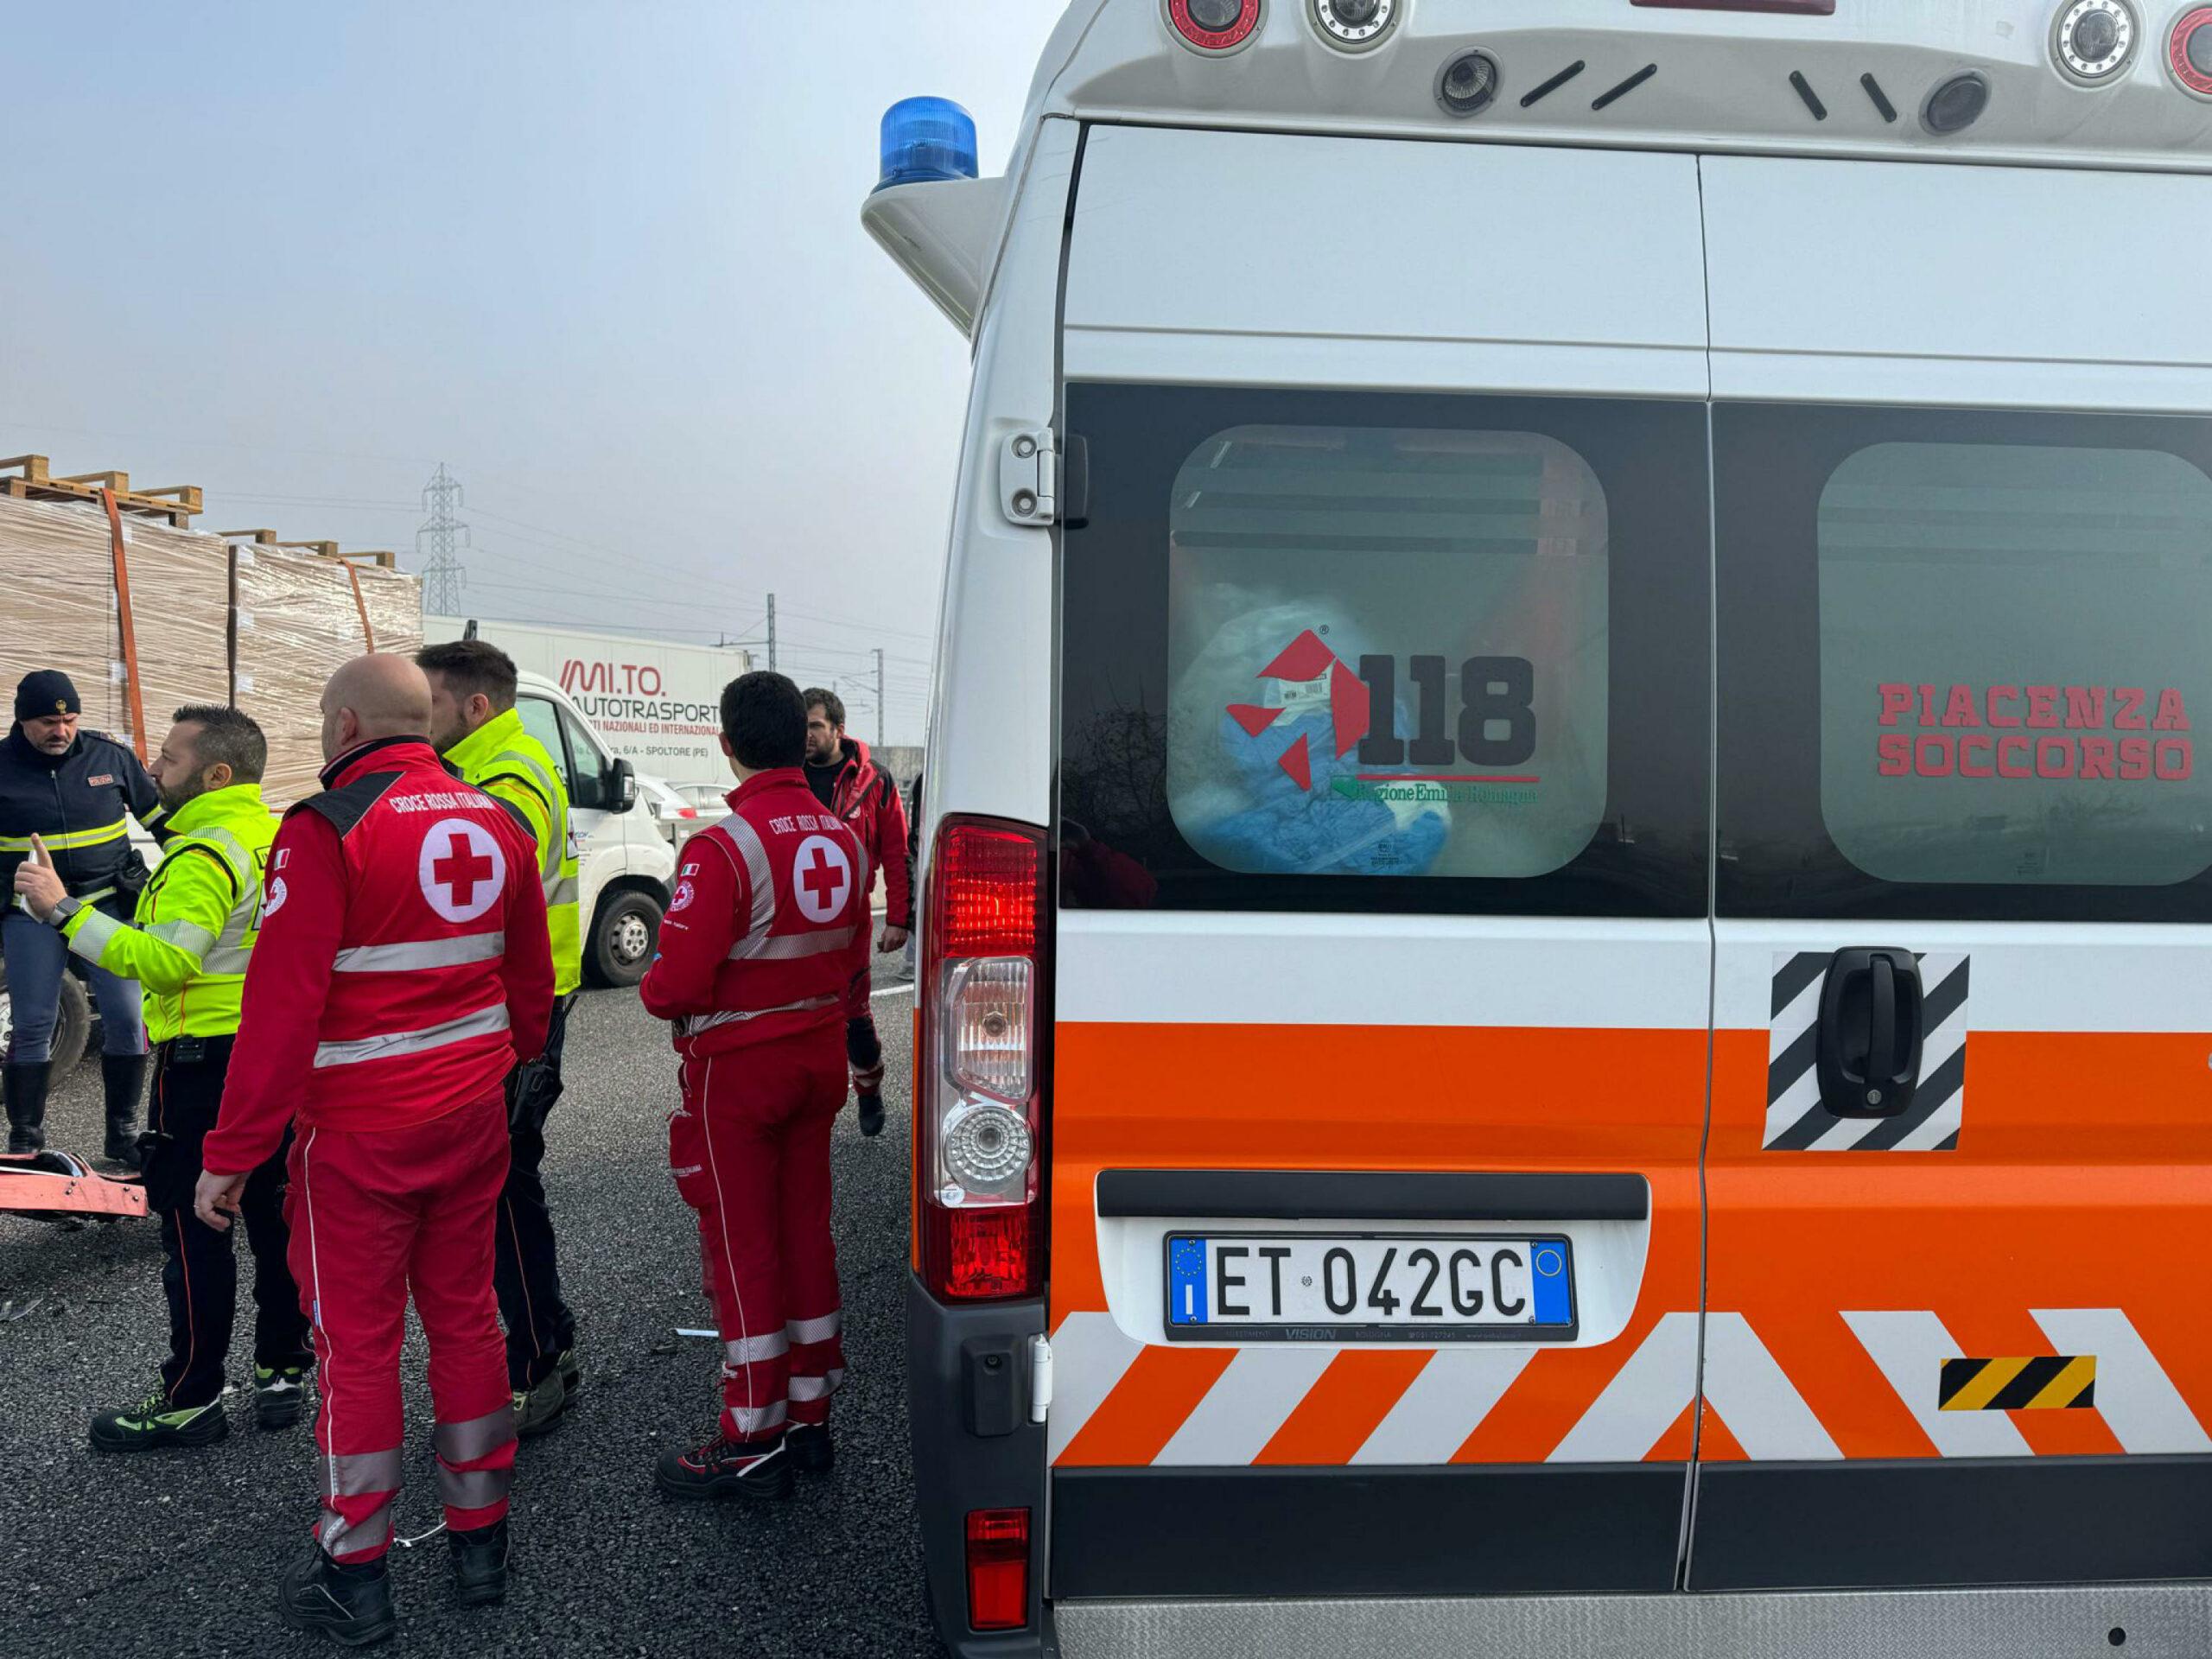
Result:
[
  {"x": 403, "y": 965},
  {"x": 769, "y": 923},
  {"x": 867, "y": 797}
]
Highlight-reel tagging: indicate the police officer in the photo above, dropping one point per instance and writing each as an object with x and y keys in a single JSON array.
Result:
[
  {"x": 188, "y": 945},
  {"x": 400, "y": 971},
  {"x": 767, "y": 927},
  {"x": 73, "y": 789},
  {"x": 475, "y": 724}
]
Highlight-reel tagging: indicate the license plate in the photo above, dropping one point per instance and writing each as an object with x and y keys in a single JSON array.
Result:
[{"x": 1369, "y": 1287}]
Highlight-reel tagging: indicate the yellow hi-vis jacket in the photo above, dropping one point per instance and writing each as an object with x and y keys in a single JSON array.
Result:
[
  {"x": 501, "y": 759},
  {"x": 188, "y": 941}
]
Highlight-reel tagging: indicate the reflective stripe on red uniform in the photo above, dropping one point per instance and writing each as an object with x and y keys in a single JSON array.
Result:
[
  {"x": 401, "y": 969},
  {"x": 768, "y": 924},
  {"x": 768, "y": 927}
]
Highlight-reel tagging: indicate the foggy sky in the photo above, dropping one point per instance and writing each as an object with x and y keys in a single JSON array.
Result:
[{"x": 604, "y": 261}]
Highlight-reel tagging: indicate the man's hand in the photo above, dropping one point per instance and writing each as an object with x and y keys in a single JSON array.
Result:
[
  {"x": 36, "y": 883},
  {"x": 215, "y": 1200},
  {"x": 894, "y": 938}
]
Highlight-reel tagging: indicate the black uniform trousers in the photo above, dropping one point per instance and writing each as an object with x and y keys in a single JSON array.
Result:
[
  {"x": 523, "y": 1268},
  {"x": 200, "y": 1265}
]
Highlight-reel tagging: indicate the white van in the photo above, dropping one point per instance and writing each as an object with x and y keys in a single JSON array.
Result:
[
  {"x": 625, "y": 869},
  {"x": 1568, "y": 962}
]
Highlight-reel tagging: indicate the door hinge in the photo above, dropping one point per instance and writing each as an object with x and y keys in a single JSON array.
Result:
[
  {"x": 1040, "y": 1379},
  {"x": 1029, "y": 477}
]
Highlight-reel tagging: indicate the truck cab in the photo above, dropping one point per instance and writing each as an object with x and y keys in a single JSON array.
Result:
[
  {"x": 625, "y": 869},
  {"x": 1567, "y": 966}
]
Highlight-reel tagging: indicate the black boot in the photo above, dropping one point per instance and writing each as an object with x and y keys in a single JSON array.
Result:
[
  {"x": 809, "y": 1446},
  {"x": 123, "y": 1076},
  {"x": 351, "y": 1606},
  {"x": 479, "y": 1564},
  {"x": 25, "y": 1086},
  {"x": 727, "y": 1469}
]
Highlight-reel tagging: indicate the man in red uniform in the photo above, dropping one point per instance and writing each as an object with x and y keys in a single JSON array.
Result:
[
  {"x": 846, "y": 779},
  {"x": 768, "y": 926},
  {"x": 402, "y": 970}
]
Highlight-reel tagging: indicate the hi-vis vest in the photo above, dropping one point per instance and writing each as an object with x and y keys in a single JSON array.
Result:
[
  {"x": 501, "y": 759},
  {"x": 194, "y": 930}
]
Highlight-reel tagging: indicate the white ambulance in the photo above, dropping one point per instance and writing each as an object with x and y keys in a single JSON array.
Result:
[{"x": 1567, "y": 993}]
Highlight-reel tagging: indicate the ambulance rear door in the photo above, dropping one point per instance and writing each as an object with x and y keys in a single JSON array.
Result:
[
  {"x": 1963, "y": 1110},
  {"x": 1382, "y": 959}
]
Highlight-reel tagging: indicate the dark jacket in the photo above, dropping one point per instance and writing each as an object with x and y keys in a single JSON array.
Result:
[{"x": 79, "y": 802}]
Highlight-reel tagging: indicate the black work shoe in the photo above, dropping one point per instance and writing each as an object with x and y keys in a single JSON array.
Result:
[
  {"x": 24, "y": 1086},
  {"x": 572, "y": 1372},
  {"x": 727, "y": 1469},
  {"x": 539, "y": 1406},
  {"x": 158, "y": 1423},
  {"x": 870, "y": 1113},
  {"x": 808, "y": 1444},
  {"x": 351, "y": 1606},
  {"x": 123, "y": 1077},
  {"x": 479, "y": 1564},
  {"x": 280, "y": 1394}
]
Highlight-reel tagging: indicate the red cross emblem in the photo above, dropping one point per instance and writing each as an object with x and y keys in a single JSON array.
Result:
[
  {"x": 824, "y": 876},
  {"x": 461, "y": 870}
]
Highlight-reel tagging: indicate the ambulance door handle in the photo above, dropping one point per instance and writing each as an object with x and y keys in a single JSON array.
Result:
[{"x": 1870, "y": 1033}]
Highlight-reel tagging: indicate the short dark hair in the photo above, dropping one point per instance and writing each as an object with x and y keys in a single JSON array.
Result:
[
  {"x": 470, "y": 666},
  {"x": 228, "y": 737},
  {"x": 832, "y": 704},
  {"x": 764, "y": 717}
]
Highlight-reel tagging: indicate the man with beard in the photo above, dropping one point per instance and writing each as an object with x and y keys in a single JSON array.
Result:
[
  {"x": 74, "y": 791},
  {"x": 186, "y": 946}
]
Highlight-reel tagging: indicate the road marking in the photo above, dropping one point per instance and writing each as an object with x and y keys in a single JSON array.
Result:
[{"x": 891, "y": 990}]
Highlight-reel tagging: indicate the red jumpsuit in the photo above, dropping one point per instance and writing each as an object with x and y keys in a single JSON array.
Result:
[
  {"x": 403, "y": 969},
  {"x": 769, "y": 924}
]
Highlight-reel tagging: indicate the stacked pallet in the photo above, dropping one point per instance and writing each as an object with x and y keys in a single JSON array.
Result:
[{"x": 147, "y": 614}]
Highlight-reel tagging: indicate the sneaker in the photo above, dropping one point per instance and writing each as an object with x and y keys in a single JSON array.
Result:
[
  {"x": 572, "y": 1372},
  {"x": 280, "y": 1394},
  {"x": 539, "y": 1406},
  {"x": 158, "y": 1423},
  {"x": 870, "y": 1113},
  {"x": 808, "y": 1444},
  {"x": 351, "y": 1606},
  {"x": 727, "y": 1469},
  {"x": 479, "y": 1564}
]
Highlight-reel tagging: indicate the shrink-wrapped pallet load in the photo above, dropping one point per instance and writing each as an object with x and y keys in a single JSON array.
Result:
[
  {"x": 298, "y": 619},
  {"x": 253, "y": 624},
  {"x": 58, "y": 609}
]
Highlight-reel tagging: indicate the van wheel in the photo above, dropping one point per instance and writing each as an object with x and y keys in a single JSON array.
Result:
[
  {"x": 73, "y": 1027},
  {"x": 623, "y": 935}
]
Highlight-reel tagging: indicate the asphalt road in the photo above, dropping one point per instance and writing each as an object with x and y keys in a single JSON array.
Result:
[{"x": 177, "y": 1552}]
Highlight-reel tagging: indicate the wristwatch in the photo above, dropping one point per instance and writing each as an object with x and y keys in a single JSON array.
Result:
[{"x": 63, "y": 911}]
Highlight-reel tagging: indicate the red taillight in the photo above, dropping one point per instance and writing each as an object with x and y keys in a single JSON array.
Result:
[
  {"x": 979, "y": 1101},
  {"x": 998, "y": 1569},
  {"x": 2188, "y": 50},
  {"x": 1215, "y": 25},
  {"x": 687, "y": 812}
]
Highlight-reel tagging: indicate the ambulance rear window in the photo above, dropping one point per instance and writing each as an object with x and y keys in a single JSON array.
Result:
[
  {"x": 1962, "y": 654},
  {"x": 1327, "y": 649},
  {"x": 1386, "y": 651},
  {"x": 2014, "y": 649}
]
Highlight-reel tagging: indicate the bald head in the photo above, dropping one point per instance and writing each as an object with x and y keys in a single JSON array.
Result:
[{"x": 371, "y": 697}]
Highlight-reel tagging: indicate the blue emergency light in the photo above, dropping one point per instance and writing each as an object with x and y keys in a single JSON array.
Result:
[{"x": 925, "y": 140}]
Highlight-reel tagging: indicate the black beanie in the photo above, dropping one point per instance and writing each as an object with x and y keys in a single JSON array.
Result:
[{"x": 45, "y": 693}]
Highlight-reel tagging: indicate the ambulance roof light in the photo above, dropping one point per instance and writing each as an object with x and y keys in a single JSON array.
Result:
[{"x": 926, "y": 140}]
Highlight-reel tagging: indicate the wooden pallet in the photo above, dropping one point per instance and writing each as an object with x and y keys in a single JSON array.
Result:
[
  {"x": 265, "y": 537},
  {"x": 29, "y": 478}
]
